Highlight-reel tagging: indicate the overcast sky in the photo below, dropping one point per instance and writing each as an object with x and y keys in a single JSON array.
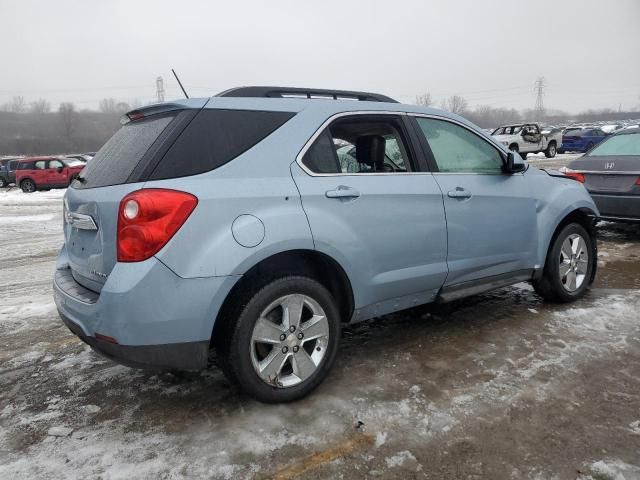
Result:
[{"x": 488, "y": 51}]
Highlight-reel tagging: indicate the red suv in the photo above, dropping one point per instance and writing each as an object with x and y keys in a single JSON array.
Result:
[{"x": 36, "y": 173}]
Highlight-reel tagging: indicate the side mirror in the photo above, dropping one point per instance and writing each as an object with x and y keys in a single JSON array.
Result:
[{"x": 514, "y": 163}]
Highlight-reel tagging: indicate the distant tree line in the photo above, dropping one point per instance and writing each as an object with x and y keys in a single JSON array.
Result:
[
  {"x": 34, "y": 128},
  {"x": 486, "y": 116}
]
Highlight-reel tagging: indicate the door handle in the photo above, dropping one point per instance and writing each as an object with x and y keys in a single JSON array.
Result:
[
  {"x": 342, "y": 192},
  {"x": 459, "y": 192}
]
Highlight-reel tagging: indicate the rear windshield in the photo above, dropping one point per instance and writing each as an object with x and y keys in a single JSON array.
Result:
[
  {"x": 574, "y": 132},
  {"x": 621, "y": 145},
  {"x": 115, "y": 161},
  {"x": 149, "y": 150}
]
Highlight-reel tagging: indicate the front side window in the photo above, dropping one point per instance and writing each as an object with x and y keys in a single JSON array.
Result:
[
  {"x": 359, "y": 145},
  {"x": 458, "y": 150}
]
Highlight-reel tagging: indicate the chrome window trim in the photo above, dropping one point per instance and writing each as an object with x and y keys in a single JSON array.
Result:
[
  {"x": 490, "y": 141},
  {"x": 326, "y": 123}
]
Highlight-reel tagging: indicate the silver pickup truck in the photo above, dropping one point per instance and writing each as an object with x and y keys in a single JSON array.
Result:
[{"x": 529, "y": 138}]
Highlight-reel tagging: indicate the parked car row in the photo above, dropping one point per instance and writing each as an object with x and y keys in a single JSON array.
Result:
[
  {"x": 526, "y": 138},
  {"x": 41, "y": 173},
  {"x": 611, "y": 174}
]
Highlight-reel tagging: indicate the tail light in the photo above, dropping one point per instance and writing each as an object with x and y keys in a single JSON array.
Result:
[
  {"x": 579, "y": 176},
  {"x": 148, "y": 218},
  {"x": 638, "y": 181}
]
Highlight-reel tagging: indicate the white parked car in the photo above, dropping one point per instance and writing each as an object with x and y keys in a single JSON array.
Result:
[{"x": 529, "y": 138}]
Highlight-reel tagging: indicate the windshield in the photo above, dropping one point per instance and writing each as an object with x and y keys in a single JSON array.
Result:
[
  {"x": 508, "y": 130},
  {"x": 618, "y": 145},
  {"x": 574, "y": 132}
]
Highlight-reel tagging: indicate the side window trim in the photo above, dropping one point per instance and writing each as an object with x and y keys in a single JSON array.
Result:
[
  {"x": 406, "y": 133},
  {"x": 429, "y": 153}
]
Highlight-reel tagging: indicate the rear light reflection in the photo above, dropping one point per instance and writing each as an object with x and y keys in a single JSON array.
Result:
[
  {"x": 578, "y": 176},
  {"x": 105, "y": 338}
]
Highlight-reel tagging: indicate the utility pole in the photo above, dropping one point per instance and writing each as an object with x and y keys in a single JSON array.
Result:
[
  {"x": 539, "y": 89},
  {"x": 160, "y": 89}
]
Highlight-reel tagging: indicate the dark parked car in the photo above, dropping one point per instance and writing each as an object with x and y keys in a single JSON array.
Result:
[
  {"x": 8, "y": 171},
  {"x": 581, "y": 139},
  {"x": 37, "y": 173},
  {"x": 611, "y": 173}
]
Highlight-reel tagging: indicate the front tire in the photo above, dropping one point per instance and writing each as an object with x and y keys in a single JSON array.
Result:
[
  {"x": 569, "y": 267},
  {"x": 550, "y": 152},
  {"x": 284, "y": 342},
  {"x": 28, "y": 186}
]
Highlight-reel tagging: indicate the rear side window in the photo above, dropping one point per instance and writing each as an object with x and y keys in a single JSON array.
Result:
[
  {"x": 216, "y": 137},
  {"x": 25, "y": 166},
  {"x": 116, "y": 160}
]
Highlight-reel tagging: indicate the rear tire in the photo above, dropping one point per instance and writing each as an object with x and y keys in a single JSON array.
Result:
[
  {"x": 569, "y": 267},
  {"x": 28, "y": 186},
  {"x": 3, "y": 183},
  {"x": 550, "y": 152},
  {"x": 264, "y": 354}
]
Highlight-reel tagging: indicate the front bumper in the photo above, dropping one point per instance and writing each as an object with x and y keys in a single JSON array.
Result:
[
  {"x": 157, "y": 318},
  {"x": 618, "y": 207}
]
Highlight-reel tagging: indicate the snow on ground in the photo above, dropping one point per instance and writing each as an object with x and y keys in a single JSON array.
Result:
[{"x": 499, "y": 386}]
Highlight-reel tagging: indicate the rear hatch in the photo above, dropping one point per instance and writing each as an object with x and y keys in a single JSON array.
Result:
[
  {"x": 161, "y": 142},
  {"x": 120, "y": 167}
]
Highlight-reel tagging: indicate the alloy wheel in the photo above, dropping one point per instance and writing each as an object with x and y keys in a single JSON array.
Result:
[
  {"x": 574, "y": 262},
  {"x": 289, "y": 340}
]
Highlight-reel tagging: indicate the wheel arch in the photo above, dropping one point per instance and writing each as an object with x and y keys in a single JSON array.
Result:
[
  {"x": 19, "y": 183},
  {"x": 583, "y": 216},
  {"x": 311, "y": 263}
]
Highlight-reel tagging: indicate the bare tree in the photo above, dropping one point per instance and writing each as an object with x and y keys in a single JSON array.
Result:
[
  {"x": 122, "y": 107},
  {"x": 108, "y": 105},
  {"x": 40, "y": 106},
  {"x": 18, "y": 104},
  {"x": 424, "y": 100},
  {"x": 69, "y": 119},
  {"x": 456, "y": 104}
]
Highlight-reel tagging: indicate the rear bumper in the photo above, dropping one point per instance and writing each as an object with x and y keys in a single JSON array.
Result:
[
  {"x": 180, "y": 356},
  {"x": 156, "y": 318},
  {"x": 618, "y": 207}
]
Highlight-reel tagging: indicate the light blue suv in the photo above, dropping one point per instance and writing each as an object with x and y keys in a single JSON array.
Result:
[{"x": 258, "y": 222}]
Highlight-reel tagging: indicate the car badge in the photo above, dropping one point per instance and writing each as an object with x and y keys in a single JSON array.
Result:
[{"x": 609, "y": 165}]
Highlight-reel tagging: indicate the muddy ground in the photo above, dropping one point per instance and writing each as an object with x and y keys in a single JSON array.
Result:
[{"x": 499, "y": 386}]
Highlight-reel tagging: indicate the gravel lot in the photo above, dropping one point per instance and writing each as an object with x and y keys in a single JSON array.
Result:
[{"x": 499, "y": 386}]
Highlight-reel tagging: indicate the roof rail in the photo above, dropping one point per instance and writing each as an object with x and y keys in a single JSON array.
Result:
[{"x": 294, "y": 92}]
